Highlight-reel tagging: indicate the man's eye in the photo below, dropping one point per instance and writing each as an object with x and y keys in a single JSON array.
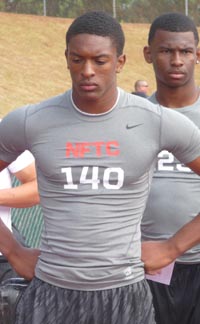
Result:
[
  {"x": 76, "y": 60},
  {"x": 100, "y": 62},
  {"x": 186, "y": 51},
  {"x": 165, "y": 50}
]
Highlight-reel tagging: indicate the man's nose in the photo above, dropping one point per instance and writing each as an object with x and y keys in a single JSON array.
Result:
[
  {"x": 88, "y": 69},
  {"x": 177, "y": 59}
]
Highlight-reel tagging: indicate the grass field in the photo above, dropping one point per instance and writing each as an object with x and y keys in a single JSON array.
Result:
[{"x": 33, "y": 65}]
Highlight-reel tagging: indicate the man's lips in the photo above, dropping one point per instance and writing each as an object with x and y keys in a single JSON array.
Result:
[
  {"x": 88, "y": 86},
  {"x": 176, "y": 75}
]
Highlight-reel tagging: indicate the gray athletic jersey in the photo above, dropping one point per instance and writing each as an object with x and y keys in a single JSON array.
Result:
[
  {"x": 94, "y": 173},
  {"x": 174, "y": 196}
]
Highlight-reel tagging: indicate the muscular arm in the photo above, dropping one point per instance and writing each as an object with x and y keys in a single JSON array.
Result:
[
  {"x": 24, "y": 195},
  {"x": 157, "y": 254},
  {"x": 22, "y": 259},
  {"x": 195, "y": 166}
]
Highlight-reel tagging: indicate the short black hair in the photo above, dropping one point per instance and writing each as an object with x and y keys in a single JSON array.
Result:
[
  {"x": 98, "y": 23},
  {"x": 173, "y": 22}
]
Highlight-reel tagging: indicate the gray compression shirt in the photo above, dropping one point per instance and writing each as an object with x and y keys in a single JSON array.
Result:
[{"x": 94, "y": 173}]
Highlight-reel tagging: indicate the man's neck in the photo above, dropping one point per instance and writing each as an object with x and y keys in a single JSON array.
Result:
[
  {"x": 94, "y": 106},
  {"x": 177, "y": 97}
]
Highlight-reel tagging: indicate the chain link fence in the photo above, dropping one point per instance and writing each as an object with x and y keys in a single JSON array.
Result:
[{"x": 138, "y": 11}]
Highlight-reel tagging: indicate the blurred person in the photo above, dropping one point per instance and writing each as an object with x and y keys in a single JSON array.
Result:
[
  {"x": 95, "y": 147},
  {"x": 141, "y": 88},
  {"x": 175, "y": 191}
]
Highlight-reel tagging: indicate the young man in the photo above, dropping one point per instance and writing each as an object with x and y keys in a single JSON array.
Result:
[
  {"x": 175, "y": 191},
  {"x": 95, "y": 148},
  {"x": 24, "y": 195}
]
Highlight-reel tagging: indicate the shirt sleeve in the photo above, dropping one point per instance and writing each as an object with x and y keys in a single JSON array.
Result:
[
  {"x": 13, "y": 135},
  {"x": 180, "y": 136}
]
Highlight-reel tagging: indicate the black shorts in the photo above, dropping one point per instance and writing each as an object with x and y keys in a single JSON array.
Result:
[
  {"x": 178, "y": 303},
  {"x": 42, "y": 303},
  {"x": 11, "y": 291}
]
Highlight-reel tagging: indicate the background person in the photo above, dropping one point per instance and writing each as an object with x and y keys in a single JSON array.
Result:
[
  {"x": 175, "y": 191},
  {"x": 141, "y": 88}
]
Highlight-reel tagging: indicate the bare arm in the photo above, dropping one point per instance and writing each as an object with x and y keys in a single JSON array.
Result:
[
  {"x": 22, "y": 259},
  {"x": 195, "y": 165},
  {"x": 24, "y": 195},
  {"x": 157, "y": 254},
  {"x": 3, "y": 165}
]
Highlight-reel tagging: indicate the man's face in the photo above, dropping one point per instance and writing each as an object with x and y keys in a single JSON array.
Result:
[
  {"x": 143, "y": 87},
  {"x": 174, "y": 55},
  {"x": 93, "y": 64}
]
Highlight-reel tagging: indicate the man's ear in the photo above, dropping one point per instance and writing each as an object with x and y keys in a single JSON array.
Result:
[
  {"x": 147, "y": 54},
  {"x": 198, "y": 55},
  {"x": 121, "y": 60}
]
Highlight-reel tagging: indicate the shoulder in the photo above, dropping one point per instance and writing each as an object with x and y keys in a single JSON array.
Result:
[
  {"x": 136, "y": 103},
  {"x": 59, "y": 101},
  {"x": 19, "y": 116}
]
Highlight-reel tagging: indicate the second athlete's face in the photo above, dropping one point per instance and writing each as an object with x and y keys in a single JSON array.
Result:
[
  {"x": 93, "y": 64},
  {"x": 174, "y": 55}
]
